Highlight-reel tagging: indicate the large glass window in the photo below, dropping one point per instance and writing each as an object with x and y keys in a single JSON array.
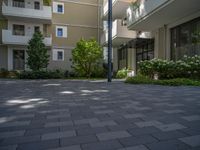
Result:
[
  {"x": 185, "y": 40},
  {"x": 122, "y": 58},
  {"x": 19, "y": 3},
  {"x": 18, "y": 30}
]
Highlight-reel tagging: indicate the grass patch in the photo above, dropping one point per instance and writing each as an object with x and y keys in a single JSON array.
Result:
[{"x": 167, "y": 82}]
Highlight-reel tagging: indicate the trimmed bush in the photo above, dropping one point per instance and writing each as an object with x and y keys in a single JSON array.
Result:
[
  {"x": 189, "y": 67},
  {"x": 41, "y": 75},
  {"x": 169, "y": 82},
  {"x": 122, "y": 73}
]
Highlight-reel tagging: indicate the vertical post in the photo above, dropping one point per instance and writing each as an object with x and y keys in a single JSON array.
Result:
[{"x": 109, "y": 40}]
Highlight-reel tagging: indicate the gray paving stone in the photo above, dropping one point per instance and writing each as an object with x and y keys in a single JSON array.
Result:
[
  {"x": 192, "y": 118},
  {"x": 130, "y": 116},
  {"x": 154, "y": 120},
  {"x": 139, "y": 140},
  {"x": 168, "y": 145},
  {"x": 90, "y": 131},
  {"x": 75, "y": 147},
  {"x": 56, "y": 124},
  {"x": 104, "y": 112},
  {"x": 168, "y": 135},
  {"x": 103, "y": 124},
  {"x": 11, "y": 134},
  {"x": 10, "y": 147},
  {"x": 58, "y": 135},
  {"x": 77, "y": 140},
  {"x": 17, "y": 123},
  {"x": 138, "y": 147},
  {"x": 42, "y": 145},
  {"x": 170, "y": 127},
  {"x": 85, "y": 121},
  {"x": 174, "y": 111},
  {"x": 112, "y": 135},
  {"x": 143, "y": 131},
  {"x": 193, "y": 141},
  {"x": 148, "y": 123},
  {"x": 103, "y": 145}
]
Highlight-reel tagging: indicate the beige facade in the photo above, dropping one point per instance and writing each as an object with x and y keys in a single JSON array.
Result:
[
  {"x": 163, "y": 30},
  {"x": 63, "y": 24},
  {"x": 80, "y": 19}
]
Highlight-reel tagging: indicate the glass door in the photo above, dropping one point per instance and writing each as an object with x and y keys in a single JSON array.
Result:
[{"x": 18, "y": 60}]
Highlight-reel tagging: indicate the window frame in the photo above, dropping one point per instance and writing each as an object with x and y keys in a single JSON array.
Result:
[{"x": 55, "y": 52}]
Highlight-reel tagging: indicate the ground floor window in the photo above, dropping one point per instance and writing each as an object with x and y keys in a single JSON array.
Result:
[
  {"x": 122, "y": 57},
  {"x": 144, "y": 49},
  {"x": 58, "y": 54},
  {"x": 185, "y": 39},
  {"x": 18, "y": 59}
]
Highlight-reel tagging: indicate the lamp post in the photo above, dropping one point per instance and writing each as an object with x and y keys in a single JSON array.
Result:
[{"x": 109, "y": 40}]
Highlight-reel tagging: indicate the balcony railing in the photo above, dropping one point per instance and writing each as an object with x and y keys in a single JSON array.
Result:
[
  {"x": 17, "y": 10},
  {"x": 19, "y": 4},
  {"x": 120, "y": 34},
  {"x": 145, "y": 8},
  {"x": 119, "y": 8},
  {"x": 10, "y": 39}
]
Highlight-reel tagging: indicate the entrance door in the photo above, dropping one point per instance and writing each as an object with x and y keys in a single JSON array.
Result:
[{"x": 18, "y": 60}]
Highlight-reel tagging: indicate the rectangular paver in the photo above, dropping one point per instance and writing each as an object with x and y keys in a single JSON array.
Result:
[{"x": 113, "y": 135}]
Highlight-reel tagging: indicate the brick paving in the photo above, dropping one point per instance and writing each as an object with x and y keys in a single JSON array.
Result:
[{"x": 94, "y": 115}]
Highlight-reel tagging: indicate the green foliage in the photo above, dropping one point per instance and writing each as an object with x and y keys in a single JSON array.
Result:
[
  {"x": 122, "y": 73},
  {"x": 8, "y": 74},
  {"x": 57, "y": 74},
  {"x": 189, "y": 67},
  {"x": 168, "y": 82},
  {"x": 38, "y": 58},
  {"x": 86, "y": 57},
  {"x": 47, "y": 2},
  {"x": 135, "y": 5}
]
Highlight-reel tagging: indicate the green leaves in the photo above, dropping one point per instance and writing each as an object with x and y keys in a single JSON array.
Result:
[
  {"x": 37, "y": 53},
  {"x": 188, "y": 67},
  {"x": 86, "y": 57}
]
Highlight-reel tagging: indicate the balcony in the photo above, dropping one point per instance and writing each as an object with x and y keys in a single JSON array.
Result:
[
  {"x": 10, "y": 39},
  {"x": 153, "y": 14},
  {"x": 18, "y": 11},
  {"x": 120, "y": 34},
  {"x": 119, "y": 8}
]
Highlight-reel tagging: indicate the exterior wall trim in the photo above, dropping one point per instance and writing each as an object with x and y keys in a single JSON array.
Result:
[
  {"x": 77, "y": 25},
  {"x": 80, "y": 3}
]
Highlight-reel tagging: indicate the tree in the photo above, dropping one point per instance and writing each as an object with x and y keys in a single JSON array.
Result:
[
  {"x": 38, "y": 57},
  {"x": 86, "y": 57}
]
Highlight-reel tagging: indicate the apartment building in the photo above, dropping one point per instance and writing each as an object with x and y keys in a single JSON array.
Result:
[
  {"x": 174, "y": 27},
  {"x": 62, "y": 22},
  {"x": 19, "y": 20},
  {"x": 124, "y": 40},
  {"x": 146, "y": 29},
  {"x": 71, "y": 21}
]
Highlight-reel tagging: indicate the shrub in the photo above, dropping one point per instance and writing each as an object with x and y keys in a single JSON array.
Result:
[
  {"x": 57, "y": 74},
  {"x": 122, "y": 73},
  {"x": 169, "y": 82},
  {"x": 188, "y": 67}
]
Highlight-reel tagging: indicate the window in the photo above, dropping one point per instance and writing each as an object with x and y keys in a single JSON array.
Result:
[
  {"x": 19, "y": 3},
  {"x": 37, "y": 29},
  {"x": 61, "y": 31},
  {"x": 18, "y": 59},
  {"x": 58, "y": 55},
  {"x": 37, "y": 5},
  {"x": 18, "y": 30},
  {"x": 185, "y": 39},
  {"x": 58, "y": 7}
]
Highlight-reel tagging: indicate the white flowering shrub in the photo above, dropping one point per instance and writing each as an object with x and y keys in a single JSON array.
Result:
[{"x": 187, "y": 67}]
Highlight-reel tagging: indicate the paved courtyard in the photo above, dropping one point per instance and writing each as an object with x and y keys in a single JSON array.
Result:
[{"x": 94, "y": 115}]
